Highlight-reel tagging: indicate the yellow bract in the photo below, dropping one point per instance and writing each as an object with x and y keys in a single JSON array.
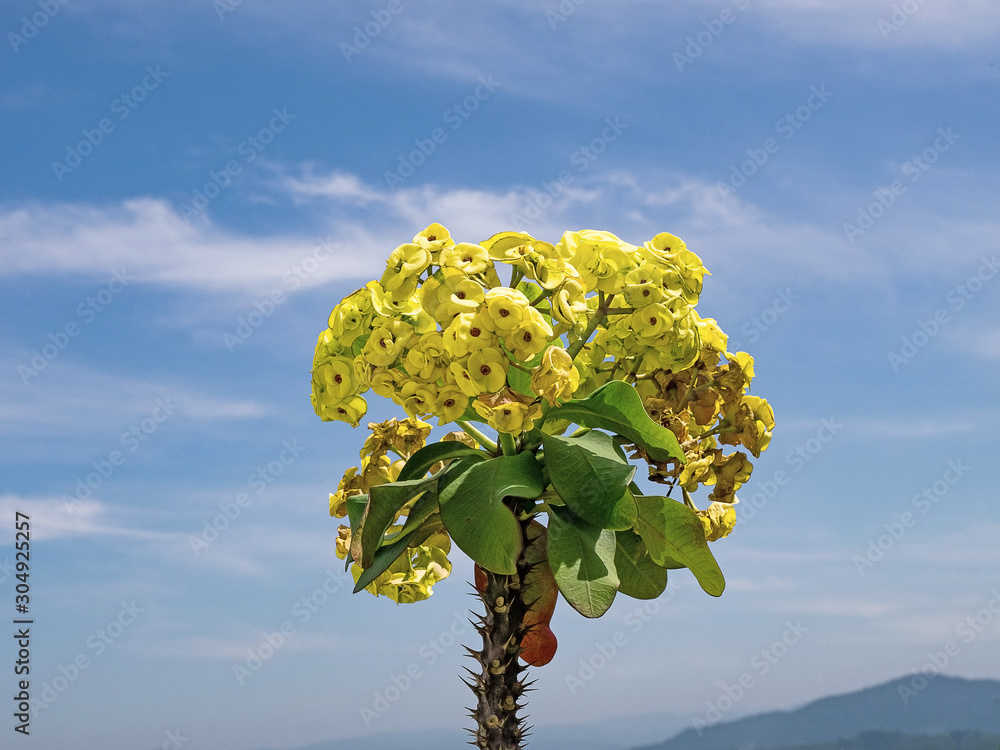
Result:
[
  {"x": 718, "y": 520},
  {"x": 556, "y": 378}
]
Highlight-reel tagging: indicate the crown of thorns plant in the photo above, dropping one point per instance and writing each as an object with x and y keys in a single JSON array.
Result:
[{"x": 591, "y": 356}]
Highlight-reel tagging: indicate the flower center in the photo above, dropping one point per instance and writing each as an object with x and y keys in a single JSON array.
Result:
[{"x": 485, "y": 370}]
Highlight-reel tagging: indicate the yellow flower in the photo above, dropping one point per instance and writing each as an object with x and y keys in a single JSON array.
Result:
[
  {"x": 418, "y": 398},
  {"x": 468, "y": 332},
  {"x": 506, "y": 308},
  {"x": 697, "y": 472},
  {"x": 744, "y": 362},
  {"x": 434, "y": 239},
  {"x": 351, "y": 484},
  {"x": 601, "y": 258},
  {"x": 662, "y": 249},
  {"x": 411, "y": 577},
  {"x": 710, "y": 334},
  {"x": 556, "y": 378},
  {"x": 569, "y": 303},
  {"x": 387, "y": 343},
  {"x": 466, "y": 257},
  {"x": 643, "y": 286},
  {"x": 718, "y": 519},
  {"x": 350, "y": 410},
  {"x": 755, "y": 420},
  {"x": 343, "y": 548},
  {"x": 681, "y": 267},
  {"x": 530, "y": 337},
  {"x": 403, "y": 270},
  {"x": 352, "y": 317},
  {"x": 458, "y": 376},
  {"x": 387, "y": 382},
  {"x": 548, "y": 272},
  {"x": 652, "y": 321},
  {"x": 426, "y": 360},
  {"x": 513, "y": 417},
  {"x": 387, "y": 307},
  {"x": 731, "y": 473},
  {"x": 450, "y": 292},
  {"x": 488, "y": 370},
  {"x": 337, "y": 377},
  {"x": 514, "y": 247},
  {"x": 451, "y": 404}
]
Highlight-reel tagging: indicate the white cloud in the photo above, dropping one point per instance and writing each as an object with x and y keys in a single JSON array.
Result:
[
  {"x": 149, "y": 240},
  {"x": 69, "y": 400},
  {"x": 741, "y": 242},
  {"x": 55, "y": 519}
]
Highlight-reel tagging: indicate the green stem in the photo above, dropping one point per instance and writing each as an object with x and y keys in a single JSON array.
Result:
[
  {"x": 477, "y": 435},
  {"x": 519, "y": 366},
  {"x": 595, "y": 320},
  {"x": 544, "y": 295},
  {"x": 507, "y": 444},
  {"x": 688, "y": 501},
  {"x": 515, "y": 277},
  {"x": 630, "y": 378}
]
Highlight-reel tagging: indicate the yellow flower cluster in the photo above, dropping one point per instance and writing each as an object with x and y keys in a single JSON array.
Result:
[
  {"x": 441, "y": 336},
  {"x": 708, "y": 406},
  {"x": 409, "y": 578}
]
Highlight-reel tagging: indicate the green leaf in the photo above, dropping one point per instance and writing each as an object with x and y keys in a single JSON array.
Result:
[
  {"x": 672, "y": 532},
  {"x": 617, "y": 407},
  {"x": 355, "y": 510},
  {"x": 582, "y": 558},
  {"x": 474, "y": 513},
  {"x": 420, "y": 462},
  {"x": 359, "y": 344},
  {"x": 384, "y": 502},
  {"x": 641, "y": 578},
  {"x": 388, "y": 554},
  {"x": 520, "y": 381},
  {"x": 423, "y": 509},
  {"x": 529, "y": 290},
  {"x": 592, "y": 478}
]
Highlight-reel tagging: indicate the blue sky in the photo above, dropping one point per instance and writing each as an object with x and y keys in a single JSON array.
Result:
[{"x": 833, "y": 163}]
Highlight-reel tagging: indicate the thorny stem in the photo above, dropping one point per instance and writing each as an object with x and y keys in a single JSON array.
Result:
[{"x": 498, "y": 685}]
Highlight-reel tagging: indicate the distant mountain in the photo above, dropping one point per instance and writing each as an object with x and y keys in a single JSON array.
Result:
[
  {"x": 896, "y": 741},
  {"x": 871, "y": 719},
  {"x": 943, "y": 705},
  {"x": 617, "y": 733}
]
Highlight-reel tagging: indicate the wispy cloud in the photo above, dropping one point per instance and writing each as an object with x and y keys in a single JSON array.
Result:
[
  {"x": 74, "y": 398},
  {"x": 51, "y": 518}
]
